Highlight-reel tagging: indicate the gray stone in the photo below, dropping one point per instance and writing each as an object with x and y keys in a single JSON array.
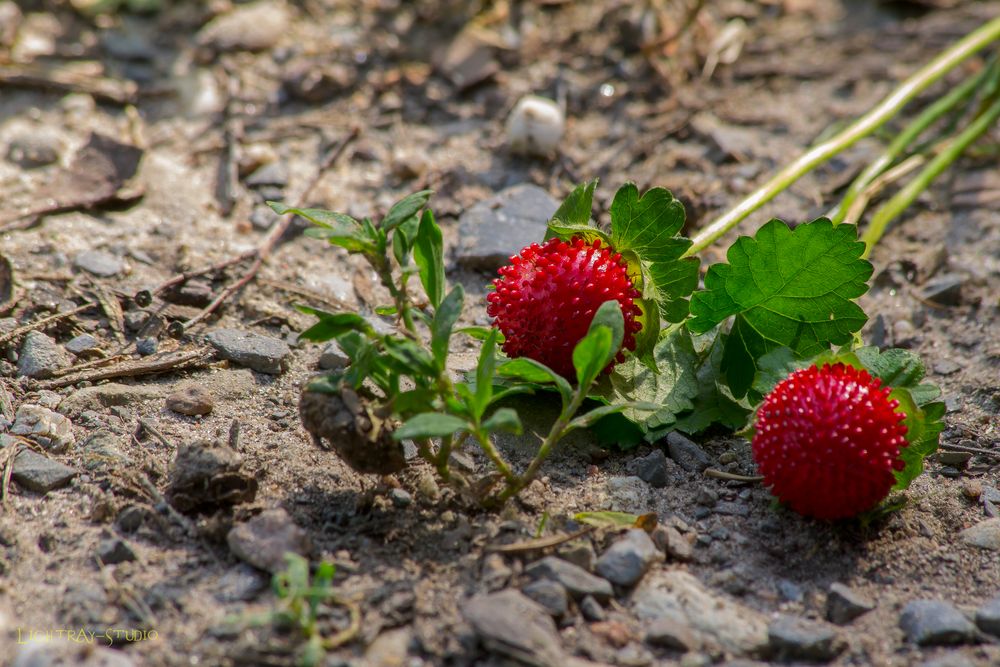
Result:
[
  {"x": 114, "y": 550},
  {"x": 131, "y": 518},
  {"x": 146, "y": 346},
  {"x": 273, "y": 173},
  {"x": 579, "y": 553},
  {"x": 263, "y": 540},
  {"x": 946, "y": 367},
  {"x": 628, "y": 559},
  {"x": 102, "y": 450},
  {"x": 493, "y": 230},
  {"x": 66, "y": 653},
  {"x": 99, "y": 263},
  {"x": 332, "y": 358},
  {"x": 798, "y": 639},
  {"x": 40, "y": 474},
  {"x": 191, "y": 399},
  {"x": 628, "y": 494},
  {"x": 651, "y": 468},
  {"x": 511, "y": 625},
  {"x": 717, "y": 622},
  {"x": 400, "y": 497},
  {"x": 985, "y": 535},
  {"x": 33, "y": 150},
  {"x": 935, "y": 623},
  {"x": 261, "y": 353},
  {"x": 686, "y": 453},
  {"x": 843, "y": 604},
  {"x": 670, "y": 541},
  {"x": 81, "y": 343},
  {"x": 945, "y": 289},
  {"x": 790, "y": 591},
  {"x": 591, "y": 609},
  {"x": 241, "y": 584},
  {"x": 551, "y": 595},
  {"x": 988, "y": 617},
  {"x": 252, "y": 27},
  {"x": 573, "y": 578},
  {"x": 706, "y": 496},
  {"x": 40, "y": 356},
  {"x": 51, "y": 430},
  {"x": 106, "y": 396},
  {"x": 672, "y": 633}
]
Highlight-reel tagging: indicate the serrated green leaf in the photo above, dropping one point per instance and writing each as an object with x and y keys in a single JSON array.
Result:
[
  {"x": 444, "y": 321},
  {"x": 602, "y": 342},
  {"x": 672, "y": 386},
  {"x": 529, "y": 370},
  {"x": 923, "y": 430},
  {"x": 793, "y": 288},
  {"x": 649, "y": 225},
  {"x": 895, "y": 367},
  {"x": 576, "y": 208},
  {"x": 504, "y": 419},
  {"x": 404, "y": 209},
  {"x": 430, "y": 425},
  {"x": 713, "y": 404},
  {"x": 772, "y": 368},
  {"x": 428, "y": 254}
]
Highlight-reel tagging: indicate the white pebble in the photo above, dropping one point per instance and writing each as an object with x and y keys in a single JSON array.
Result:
[{"x": 535, "y": 126}]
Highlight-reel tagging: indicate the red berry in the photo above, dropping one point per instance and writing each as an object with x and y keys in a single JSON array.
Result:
[
  {"x": 827, "y": 441},
  {"x": 546, "y": 298}
]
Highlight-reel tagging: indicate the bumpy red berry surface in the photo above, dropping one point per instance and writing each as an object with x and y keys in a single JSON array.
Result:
[
  {"x": 546, "y": 298},
  {"x": 827, "y": 441}
]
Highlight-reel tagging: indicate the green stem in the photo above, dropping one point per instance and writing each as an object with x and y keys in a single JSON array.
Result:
[
  {"x": 494, "y": 455},
  {"x": 892, "y": 208},
  {"x": 441, "y": 462},
  {"x": 871, "y": 121},
  {"x": 904, "y": 139},
  {"x": 515, "y": 487}
]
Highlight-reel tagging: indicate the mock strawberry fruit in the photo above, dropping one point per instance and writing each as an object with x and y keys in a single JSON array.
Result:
[
  {"x": 828, "y": 440},
  {"x": 546, "y": 298}
]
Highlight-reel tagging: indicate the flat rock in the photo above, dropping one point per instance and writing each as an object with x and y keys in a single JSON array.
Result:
[
  {"x": 40, "y": 357},
  {"x": 81, "y": 343},
  {"x": 670, "y": 541},
  {"x": 253, "y": 27},
  {"x": 51, "y": 430},
  {"x": 669, "y": 632},
  {"x": 935, "y": 623},
  {"x": 628, "y": 494},
  {"x": 628, "y": 559},
  {"x": 510, "y": 624},
  {"x": 716, "y": 622},
  {"x": 263, "y": 540},
  {"x": 652, "y": 468},
  {"x": 551, "y": 595},
  {"x": 493, "y": 230},
  {"x": 70, "y": 654},
  {"x": 39, "y": 473},
  {"x": 985, "y": 535},
  {"x": 686, "y": 453},
  {"x": 843, "y": 604},
  {"x": 114, "y": 550},
  {"x": 332, "y": 357},
  {"x": 260, "y": 353},
  {"x": 99, "y": 263},
  {"x": 988, "y": 617},
  {"x": 106, "y": 396},
  {"x": 799, "y": 639},
  {"x": 190, "y": 399},
  {"x": 577, "y": 581}
]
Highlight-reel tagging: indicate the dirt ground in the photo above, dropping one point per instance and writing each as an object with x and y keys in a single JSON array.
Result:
[{"x": 354, "y": 104}]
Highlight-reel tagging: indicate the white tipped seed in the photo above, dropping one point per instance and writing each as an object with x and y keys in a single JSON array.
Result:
[{"x": 535, "y": 126}]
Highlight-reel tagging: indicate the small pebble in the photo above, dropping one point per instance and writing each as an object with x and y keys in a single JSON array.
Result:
[
  {"x": 935, "y": 623},
  {"x": 146, "y": 346},
  {"x": 191, "y": 399},
  {"x": 686, "y": 453},
  {"x": 844, "y": 604},
  {"x": 400, "y": 498},
  {"x": 628, "y": 559},
  {"x": 592, "y": 609},
  {"x": 82, "y": 343},
  {"x": 550, "y": 595},
  {"x": 112, "y": 551},
  {"x": 40, "y": 357}
]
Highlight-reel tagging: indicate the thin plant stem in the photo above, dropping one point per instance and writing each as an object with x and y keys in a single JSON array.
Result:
[
  {"x": 892, "y": 208},
  {"x": 860, "y": 203},
  {"x": 927, "y": 118},
  {"x": 871, "y": 121}
]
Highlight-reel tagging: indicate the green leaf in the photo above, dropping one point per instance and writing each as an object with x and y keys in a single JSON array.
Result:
[
  {"x": 567, "y": 232},
  {"x": 404, "y": 209},
  {"x": 413, "y": 401},
  {"x": 336, "y": 228},
  {"x": 607, "y": 519},
  {"x": 444, "y": 321},
  {"x": 576, "y": 208},
  {"x": 923, "y": 431},
  {"x": 413, "y": 359},
  {"x": 792, "y": 288},
  {"x": 671, "y": 386},
  {"x": 649, "y": 225},
  {"x": 485, "y": 370},
  {"x": 430, "y": 425},
  {"x": 504, "y": 419},
  {"x": 714, "y": 403},
  {"x": 602, "y": 342},
  {"x": 529, "y": 370},
  {"x": 645, "y": 340},
  {"x": 772, "y": 368},
  {"x": 591, "y": 417},
  {"x": 331, "y": 325},
  {"x": 481, "y": 333},
  {"x": 895, "y": 367},
  {"x": 428, "y": 253}
]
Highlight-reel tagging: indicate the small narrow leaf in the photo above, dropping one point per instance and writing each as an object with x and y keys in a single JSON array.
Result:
[
  {"x": 602, "y": 342},
  {"x": 529, "y": 370},
  {"x": 404, "y": 209},
  {"x": 428, "y": 253},
  {"x": 504, "y": 419},
  {"x": 575, "y": 210},
  {"x": 430, "y": 425},
  {"x": 444, "y": 321},
  {"x": 485, "y": 370},
  {"x": 590, "y": 418},
  {"x": 607, "y": 519},
  {"x": 331, "y": 325},
  {"x": 481, "y": 333}
]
